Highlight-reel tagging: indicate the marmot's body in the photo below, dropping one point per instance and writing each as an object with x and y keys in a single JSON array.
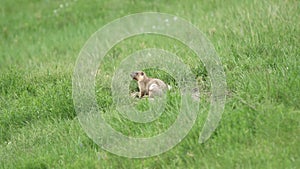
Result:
[{"x": 148, "y": 86}]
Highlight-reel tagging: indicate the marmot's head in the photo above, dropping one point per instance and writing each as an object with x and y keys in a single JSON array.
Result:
[{"x": 138, "y": 75}]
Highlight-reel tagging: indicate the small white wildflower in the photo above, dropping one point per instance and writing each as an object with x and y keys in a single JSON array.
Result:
[
  {"x": 175, "y": 18},
  {"x": 153, "y": 27},
  {"x": 61, "y": 5}
]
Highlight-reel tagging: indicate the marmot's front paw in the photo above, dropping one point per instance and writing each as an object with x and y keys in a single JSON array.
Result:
[{"x": 135, "y": 95}]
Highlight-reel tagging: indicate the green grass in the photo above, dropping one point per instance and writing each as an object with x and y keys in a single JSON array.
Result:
[{"x": 258, "y": 44}]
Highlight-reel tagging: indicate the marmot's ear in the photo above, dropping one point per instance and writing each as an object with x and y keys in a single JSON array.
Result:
[{"x": 142, "y": 73}]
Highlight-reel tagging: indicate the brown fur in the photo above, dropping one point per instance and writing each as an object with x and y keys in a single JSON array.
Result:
[{"x": 148, "y": 86}]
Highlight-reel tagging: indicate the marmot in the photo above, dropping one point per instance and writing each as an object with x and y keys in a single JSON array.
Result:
[{"x": 149, "y": 86}]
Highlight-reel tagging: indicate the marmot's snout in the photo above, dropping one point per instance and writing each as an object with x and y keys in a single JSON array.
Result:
[
  {"x": 133, "y": 74},
  {"x": 137, "y": 75}
]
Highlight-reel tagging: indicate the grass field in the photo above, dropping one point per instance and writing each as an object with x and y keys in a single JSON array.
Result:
[{"x": 258, "y": 44}]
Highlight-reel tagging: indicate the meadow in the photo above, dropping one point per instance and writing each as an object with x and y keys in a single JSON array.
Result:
[{"x": 258, "y": 45}]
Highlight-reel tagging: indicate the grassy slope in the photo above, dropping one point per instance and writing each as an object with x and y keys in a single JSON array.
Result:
[{"x": 258, "y": 42}]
